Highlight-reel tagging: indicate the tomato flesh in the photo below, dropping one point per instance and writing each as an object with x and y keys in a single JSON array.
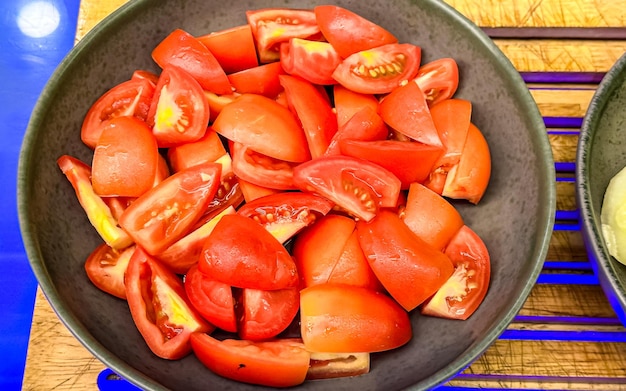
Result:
[{"x": 105, "y": 268}]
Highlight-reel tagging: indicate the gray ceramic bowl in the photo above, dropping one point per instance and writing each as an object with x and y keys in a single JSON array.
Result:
[
  {"x": 602, "y": 154},
  {"x": 515, "y": 217}
]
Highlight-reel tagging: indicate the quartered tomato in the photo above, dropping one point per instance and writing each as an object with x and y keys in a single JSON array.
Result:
[
  {"x": 179, "y": 112},
  {"x": 379, "y": 70},
  {"x": 261, "y": 80},
  {"x": 438, "y": 79},
  {"x": 272, "y": 26},
  {"x": 125, "y": 160},
  {"x": 252, "y": 191},
  {"x": 313, "y": 61},
  {"x": 160, "y": 308},
  {"x": 285, "y": 214},
  {"x": 105, "y": 268},
  {"x": 357, "y": 185},
  {"x": 459, "y": 297},
  {"x": 185, "y": 51},
  {"x": 131, "y": 98},
  {"x": 399, "y": 258},
  {"x": 262, "y": 170},
  {"x": 274, "y": 363},
  {"x": 233, "y": 48},
  {"x": 348, "y": 103},
  {"x": 243, "y": 254},
  {"x": 331, "y": 313},
  {"x": 205, "y": 150},
  {"x": 348, "y": 32},
  {"x": 166, "y": 212},
  {"x": 266, "y": 313},
  {"x": 364, "y": 125}
]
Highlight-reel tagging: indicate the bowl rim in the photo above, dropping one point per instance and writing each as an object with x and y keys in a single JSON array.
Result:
[
  {"x": 136, "y": 377},
  {"x": 601, "y": 261}
]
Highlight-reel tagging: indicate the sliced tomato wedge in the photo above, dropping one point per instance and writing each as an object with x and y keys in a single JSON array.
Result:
[
  {"x": 267, "y": 313},
  {"x": 379, "y": 70},
  {"x": 313, "y": 61},
  {"x": 167, "y": 212},
  {"x": 131, "y": 98},
  {"x": 253, "y": 191},
  {"x": 262, "y": 170},
  {"x": 438, "y": 79},
  {"x": 160, "y": 308},
  {"x": 185, "y": 51},
  {"x": 272, "y": 26},
  {"x": 275, "y": 363},
  {"x": 461, "y": 295},
  {"x": 261, "y": 80},
  {"x": 105, "y": 268},
  {"x": 348, "y": 103},
  {"x": 357, "y": 185},
  {"x": 285, "y": 214},
  {"x": 348, "y": 32},
  {"x": 365, "y": 125},
  {"x": 233, "y": 48},
  {"x": 207, "y": 149}
]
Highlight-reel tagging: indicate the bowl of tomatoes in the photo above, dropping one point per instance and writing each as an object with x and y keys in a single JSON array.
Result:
[
  {"x": 599, "y": 185},
  {"x": 254, "y": 194}
]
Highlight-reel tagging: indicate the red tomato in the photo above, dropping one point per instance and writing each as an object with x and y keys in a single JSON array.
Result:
[
  {"x": 262, "y": 170},
  {"x": 348, "y": 103},
  {"x": 217, "y": 102},
  {"x": 212, "y": 299},
  {"x": 160, "y": 308},
  {"x": 285, "y": 214},
  {"x": 105, "y": 268},
  {"x": 343, "y": 318},
  {"x": 313, "y": 61},
  {"x": 438, "y": 79},
  {"x": 459, "y": 297},
  {"x": 277, "y": 363},
  {"x": 264, "y": 126},
  {"x": 131, "y": 98},
  {"x": 469, "y": 179},
  {"x": 379, "y": 70},
  {"x": 229, "y": 191},
  {"x": 348, "y": 32},
  {"x": 185, "y": 252},
  {"x": 205, "y": 150},
  {"x": 357, "y": 185},
  {"x": 185, "y": 51},
  {"x": 272, "y": 26},
  {"x": 314, "y": 111},
  {"x": 179, "y": 112},
  {"x": 166, "y": 212},
  {"x": 409, "y": 161},
  {"x": 406, "y": 111},
  {"x": 430, "y": 216},
  {"x": 261, "y": 80},
  {"x": 399, "y": 258},
  {"x": 233, "y": 48},
  {"x": 267, "y": 313},
  {"x": 365, "y": 125},
  {"x": 98, "y": 212},
  {"x": 352, "y": 267},
  {"x": 243, "y": 254},
  {"x": 252, "y": 191},
  {"x": 125, "y": 160},
  {"x": 145, "y": 74}
]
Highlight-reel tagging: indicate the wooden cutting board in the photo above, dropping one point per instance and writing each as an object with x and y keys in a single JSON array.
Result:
[{"x": 532, "y": 355}]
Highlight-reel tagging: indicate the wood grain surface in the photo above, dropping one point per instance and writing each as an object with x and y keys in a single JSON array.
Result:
[{"x": 57, "y": 361}]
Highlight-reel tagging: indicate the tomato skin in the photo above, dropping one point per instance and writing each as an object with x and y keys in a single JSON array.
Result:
[
  {"x": 340, "y": 318},
  {"x": 243, "y": 254},
  {"x": 267, "y": 313},
  {"x": 275, "y": 363},
  {"x": 461, "y": 295},
  {"x": 409, "y": 161},
  {"x": 179, "y": 112},
  {"x": 260, "y": 80},
  {"x": 105, "y": 268},
  {"x": 264, "y": 126},
  {"x": 357, "y": 185},
  {"x": 207, "y": 149},
  {"x": 379, "y": 70},
  {"x": 348, "y": 32},
  {"x": 185, "y": 51},
  {"x": 131, "y": 98},
  {"x": 98, "y": 212},
  {"x": 160, "y": 308},
  {"x": 125, "y": 159},
  {"x": 399, "y": 258},
  {"x": 212, "y": 299},
  {"x": 165, "y": 213},
  {"x": 272, "y": 26},
  {"x": 438, "y": 79},
  {"x": 314, "y": 111},
  {"x": 233, "y": 48},
  {"x": 313, "y": 61},
  {"x": 262, "y": 170},
  {"x": 285, "y": 214},
  {"x": 365, "y": 125},
  {"x": 348, "y": 103}
]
